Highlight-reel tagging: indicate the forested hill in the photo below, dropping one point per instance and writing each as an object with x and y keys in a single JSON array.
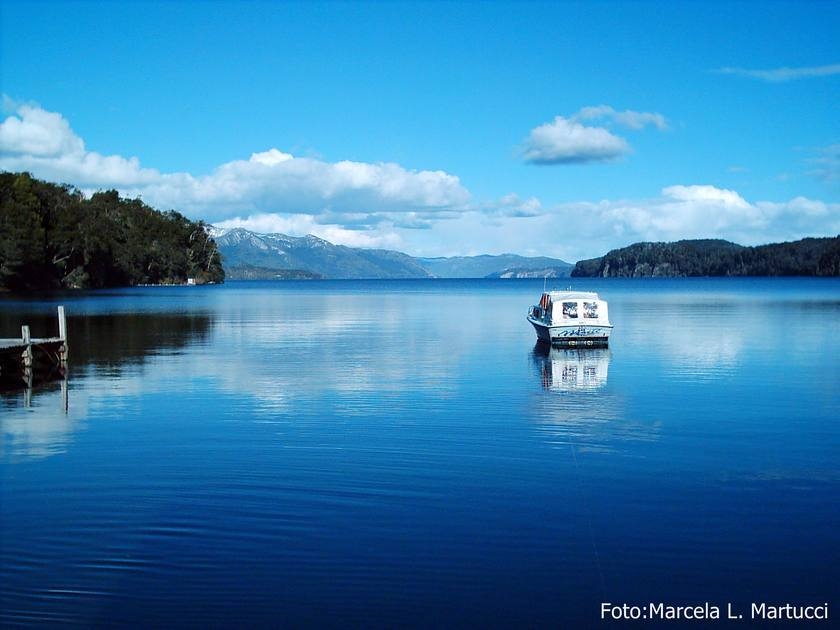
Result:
[
  {"x": 51, "y": 236},
  {"x": 808, "y": 257}
]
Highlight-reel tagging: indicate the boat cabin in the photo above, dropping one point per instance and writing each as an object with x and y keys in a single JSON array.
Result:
[{"x": 561, "y": 308}]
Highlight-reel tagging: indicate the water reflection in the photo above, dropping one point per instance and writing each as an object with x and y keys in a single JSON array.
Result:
[
  {"x": 117, "y": 339},
  {"x": 346, "y": 451},
  {"x": 29, "y": 382},
  {"x": 572, "y": 369},
  {"x": 36, "y": 434},
  {"x": 342, "y": 352},
  {"x": 698, "y": 341},
  {"x": 112, "y": 339},
  {"x": 578, "y": 408},
  {"x": 41, "y": 411}
]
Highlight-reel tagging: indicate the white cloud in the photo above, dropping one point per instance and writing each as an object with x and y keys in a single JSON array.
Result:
[
  {"x": 423, "y": 212},
  {"x": 627, "y": 118},
  {"x": 781, "y": 75},
  {"x": 42, "y": 142},
  {"x": 705, "y": 195},
  {"x": 272, "y": 181},
  {"x": 270, "y": 157},
  {"x": 272, "y": 223},
  {"x": 512, "y": 205},
  {"x": 702, "y": 211},
  {"x": 38, "y": 133},
  {"x": 569, "y": 141},
  {"x": 565, "y": 141},
  {"x": 577, "y": 230},
  {"x": 354, "y": 238},
  {"x": 572, "y": 231}
]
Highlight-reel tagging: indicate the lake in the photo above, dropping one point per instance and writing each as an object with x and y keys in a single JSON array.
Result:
[{"x": 403, "y": 454}]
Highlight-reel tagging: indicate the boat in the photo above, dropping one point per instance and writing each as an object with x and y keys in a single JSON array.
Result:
[{"x": 571, "y": 319}]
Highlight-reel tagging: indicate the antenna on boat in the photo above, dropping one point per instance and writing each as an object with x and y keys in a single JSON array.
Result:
[{"x": 545, "y": 278}]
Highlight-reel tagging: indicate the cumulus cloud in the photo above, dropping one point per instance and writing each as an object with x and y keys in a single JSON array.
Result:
[
  {"x": 569, "y": 141},
  {"x": 585, "y": 229},
  {"x": 271, "y": 223},
  {"x": 270, "y": 157},
  {"x": 424, "y": 212},
  {"x": 271, "y": 181},
  {"x": 565, "y": 141},
  {"x": 575, "y": 230},
  {"x": 702, "y": 211},
  {"x": 512, "y": 205},
  {"x": 38, "y": 133},
  {"x": 33, "y": 139},
  {"x": 781, "y": 75},
  {"x": 705, "y": 195}
]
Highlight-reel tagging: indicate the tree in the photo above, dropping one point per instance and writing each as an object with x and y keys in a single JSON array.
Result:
[{"x": 51, "y": 236}]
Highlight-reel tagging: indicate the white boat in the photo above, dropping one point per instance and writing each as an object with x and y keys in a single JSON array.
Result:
[{"x": 571, "y": 319}]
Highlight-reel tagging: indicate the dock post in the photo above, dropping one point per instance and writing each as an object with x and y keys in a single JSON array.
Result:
[
  {"x": 27, "y": 394},
  {"x": 27, "y": 350},
  {"x": 62, "y": 324},
  {"x": 62, "y": 334}
]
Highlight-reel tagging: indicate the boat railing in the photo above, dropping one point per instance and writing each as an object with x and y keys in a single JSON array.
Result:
[{"x": 536, "y": 312}]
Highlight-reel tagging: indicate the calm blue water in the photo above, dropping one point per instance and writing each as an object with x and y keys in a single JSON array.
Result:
[{"x": 402, "y": 454}]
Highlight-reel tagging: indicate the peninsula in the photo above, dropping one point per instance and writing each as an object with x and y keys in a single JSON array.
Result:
[{"x": 711, "y": 257}]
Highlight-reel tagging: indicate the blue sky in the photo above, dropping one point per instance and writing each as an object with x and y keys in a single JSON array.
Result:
[{"x": 439, "y": 128}]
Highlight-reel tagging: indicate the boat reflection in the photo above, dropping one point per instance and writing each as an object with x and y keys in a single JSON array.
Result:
[
  {"x": 577, "y": 408},
  {"x": 567, "y": 369}
]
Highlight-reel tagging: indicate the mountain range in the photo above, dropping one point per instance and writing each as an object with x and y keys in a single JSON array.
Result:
[{"x": 250, "y": 255}]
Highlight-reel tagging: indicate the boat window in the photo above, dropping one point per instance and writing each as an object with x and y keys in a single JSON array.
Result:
[
  {"x": 570, "y": 310},
  {"x": 590, "y": 310}
]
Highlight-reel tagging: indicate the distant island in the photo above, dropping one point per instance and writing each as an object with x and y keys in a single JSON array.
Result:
[
  {"x": 251, "y": 272},
  {"x": 52, "y": 237},
  {"x": 709, "y": 257}
]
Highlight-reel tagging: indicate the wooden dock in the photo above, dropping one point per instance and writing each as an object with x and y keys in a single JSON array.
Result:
[{"x": 27, "y": 354}]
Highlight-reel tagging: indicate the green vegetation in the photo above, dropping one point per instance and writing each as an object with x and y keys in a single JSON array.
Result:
[
  {"x": 252, "y": 272},
  {"x": 51, "y": 237},
  {"x": 808, "y": 257}
]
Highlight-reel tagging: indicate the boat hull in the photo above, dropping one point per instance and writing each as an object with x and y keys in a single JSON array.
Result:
[{"x": 571, "y": 336}]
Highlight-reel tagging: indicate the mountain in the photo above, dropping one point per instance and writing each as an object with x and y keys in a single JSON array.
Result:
[
  {"x": 242, "y": 248},
  {"x": 243, "y": 251},
  {"x": 807, "y": 257}
]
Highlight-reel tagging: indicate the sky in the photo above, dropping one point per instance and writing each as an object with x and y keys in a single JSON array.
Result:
[{"x": 561, "y": 129}]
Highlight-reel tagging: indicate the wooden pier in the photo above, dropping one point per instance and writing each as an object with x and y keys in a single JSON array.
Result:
[{"x": 26, "y": 355}]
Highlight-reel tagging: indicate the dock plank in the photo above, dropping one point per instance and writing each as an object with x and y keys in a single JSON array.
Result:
[
  {"x": 19, "y": 343},
  {"x": 29, "y": 353}
]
